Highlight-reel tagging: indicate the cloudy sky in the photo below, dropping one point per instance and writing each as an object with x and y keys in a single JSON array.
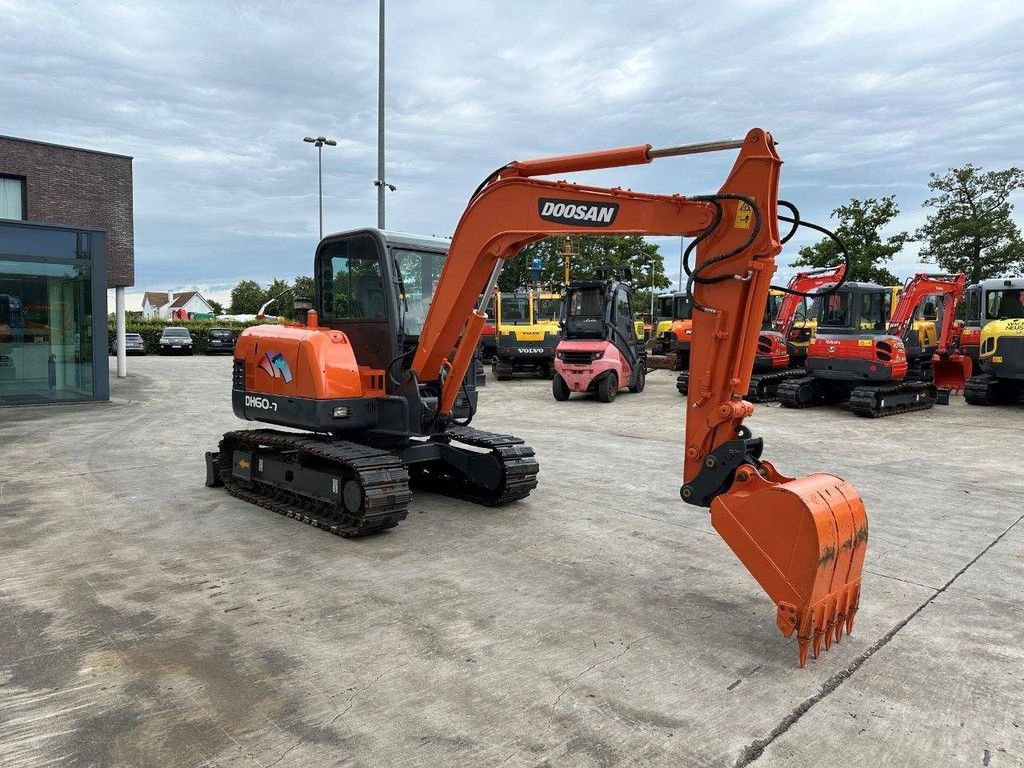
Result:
[{"x": 213, "y": 99}]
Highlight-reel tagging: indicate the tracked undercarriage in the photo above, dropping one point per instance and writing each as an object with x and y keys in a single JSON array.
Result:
[
  {"x": 871, "y": 401},
  {"x": 763, "y": 386},
  {"x": 351, "y": 489},
  {"x": 985, "y": 389}
]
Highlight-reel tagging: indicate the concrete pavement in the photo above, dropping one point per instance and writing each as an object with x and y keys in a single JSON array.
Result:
[{"x": 146, "y": 620}]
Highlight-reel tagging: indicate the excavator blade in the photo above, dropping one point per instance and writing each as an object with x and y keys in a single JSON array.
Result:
[
  {"x": 804, "y": 541},
  {"x": 951, "y": 372}
]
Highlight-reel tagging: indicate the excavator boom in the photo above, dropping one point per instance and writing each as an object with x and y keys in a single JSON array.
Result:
[
  {"x": 950, "y": 368},
  {"x": 802, "y": 539},
  {"x": 804, "y": 282}
]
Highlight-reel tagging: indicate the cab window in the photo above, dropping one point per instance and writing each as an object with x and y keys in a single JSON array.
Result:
[
  {"x": 515, "y": 310},
  {"x": 835, "y": 310},
  {"x": 351, "y": 278},
  {"x": 972, "y": 314},
  {"x": 546, "y": 310},
  {"x": 419, "y": 272},
  {"x": 588, "y": 302},
  {"x": 874, "y": 312},
  {"x": 1005, "y": 305}
]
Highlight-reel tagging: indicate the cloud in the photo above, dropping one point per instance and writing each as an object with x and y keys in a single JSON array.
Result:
[{"x": 213, "y": 100}]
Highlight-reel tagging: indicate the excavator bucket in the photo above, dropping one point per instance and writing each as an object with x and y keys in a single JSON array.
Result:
[
  {"x": 951, "y": 372},
  {"x": 804, "y": 541}
]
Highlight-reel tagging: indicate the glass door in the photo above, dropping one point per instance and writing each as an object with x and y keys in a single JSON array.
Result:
[{"x": 45, "y": 332}]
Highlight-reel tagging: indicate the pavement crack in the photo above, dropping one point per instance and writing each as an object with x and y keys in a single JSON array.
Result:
[
  {"x": 755, "y": 749},
  {"x": 337, "y": 717},
  {"x": 598, "y": 663},
  {"x": 904, "y": 581},
  {"x": 573, "y": 682}
]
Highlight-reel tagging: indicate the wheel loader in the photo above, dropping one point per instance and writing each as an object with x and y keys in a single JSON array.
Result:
[
  {"x": 527, "y": 333},
  {"x": 376, "y": 377},
  {"x": 601, "y": 349},
  {"x": 1000, "y": 344}
]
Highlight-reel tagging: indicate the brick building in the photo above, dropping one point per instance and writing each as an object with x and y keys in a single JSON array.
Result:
[{"x": 66, "y": 235}]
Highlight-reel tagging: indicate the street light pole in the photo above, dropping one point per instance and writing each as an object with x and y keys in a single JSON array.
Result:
[
  {"x": 319, "y": 142},
  {"x": 380, "y": 183},
  {"x": 380, "y": 119},
  {"x": 681, "y": 263},
  {"x": 652, "y": 290}
]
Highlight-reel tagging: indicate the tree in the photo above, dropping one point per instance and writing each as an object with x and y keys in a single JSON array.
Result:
[
  {"x": 589, "y": 253},
  {"x": 280, "y": 291},
  {"x": 247, "y": 297},
  {"x": 972, "y": 230},
  {"x": 860, "y": 226},
  {"x": 216, "y": 306}
]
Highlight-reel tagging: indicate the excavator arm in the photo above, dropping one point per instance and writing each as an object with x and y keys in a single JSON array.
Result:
[
  {"x": 803, "y": 540},
  {"x": 950, "y": 368},
  {"x": 951, "y": 290},
  {"x": 804, "y": 282}
]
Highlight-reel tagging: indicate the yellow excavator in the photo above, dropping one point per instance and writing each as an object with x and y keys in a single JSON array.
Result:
[{"x": 1001, "y": 344}]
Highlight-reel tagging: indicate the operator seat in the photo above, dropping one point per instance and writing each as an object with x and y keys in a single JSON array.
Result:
[{"x": 370, "y": 295}]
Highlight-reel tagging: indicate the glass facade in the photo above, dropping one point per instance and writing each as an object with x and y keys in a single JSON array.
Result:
[{"x": 49, "y": 350}]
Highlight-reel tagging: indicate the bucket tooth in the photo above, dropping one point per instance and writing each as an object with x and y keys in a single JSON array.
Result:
[
  {"x": 803, "y": 648},
  {"x": 854, "y": 605},
  {"x": 803, "y": 540}
]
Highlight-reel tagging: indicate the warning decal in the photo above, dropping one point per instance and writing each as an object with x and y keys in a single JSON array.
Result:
[{"x": 744, "y": 215}]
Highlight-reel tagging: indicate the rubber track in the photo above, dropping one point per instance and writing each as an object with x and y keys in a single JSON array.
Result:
[
  {"x": 519, "y": 469},
  {"x": 864, "y": 400},
  {"x": 982, "y": 389},
  {"x": 384, "y": 481},
  {"x": 759, "y": 382},
  {"x": 683, "y": 382},
  {"x": 787, "y": 391}
]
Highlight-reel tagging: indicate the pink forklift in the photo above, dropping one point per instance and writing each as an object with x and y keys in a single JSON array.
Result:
[{"x": 600, "y": 350}]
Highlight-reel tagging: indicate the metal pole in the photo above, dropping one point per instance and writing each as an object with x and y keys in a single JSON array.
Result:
[
  {"x": 681, "y": 252},
  {"x": 320, "y": 183},
  {"x": 694, "y": 149},
  {"x": 122, "y": 362},
  {"x": 380, "y": 121},
  {"x": 652, "y": 290}
]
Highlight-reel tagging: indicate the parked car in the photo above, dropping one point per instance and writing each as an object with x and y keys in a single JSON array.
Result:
[
  {"x": 175, "y": 341},
  {"x": 220, "y": 340},
  {"x": 133, "y": 344}
]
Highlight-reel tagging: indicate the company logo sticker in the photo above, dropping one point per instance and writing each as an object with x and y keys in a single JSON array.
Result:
[
  {"x": 577, "y": 212},
  {"x": 276, "y": 366}
]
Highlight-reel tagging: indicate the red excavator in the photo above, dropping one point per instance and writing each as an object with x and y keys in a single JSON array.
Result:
[
  {"x": 883, "y": 366},
  {"x": 774, "y": 363},
  {"x": 376, "y": 377}
]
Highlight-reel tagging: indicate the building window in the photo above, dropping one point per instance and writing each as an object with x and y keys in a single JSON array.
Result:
[
  {"x": 12, "y": 197},
  {"x": 46, "y": 345}
]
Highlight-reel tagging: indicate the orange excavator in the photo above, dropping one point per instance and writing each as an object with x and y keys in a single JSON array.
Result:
[
  {"x": 883, "y": 364},
  {"x": 377, "y": 376},
  {"x": 774, "y": 362}
]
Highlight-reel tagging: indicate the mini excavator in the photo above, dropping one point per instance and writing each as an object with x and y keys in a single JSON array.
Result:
[
  {"x": 670, "y": 346},
  {"x": 378, "y": 377},
  {"x": 774, "y": 363},
  {"x": 883, "y": 363}
]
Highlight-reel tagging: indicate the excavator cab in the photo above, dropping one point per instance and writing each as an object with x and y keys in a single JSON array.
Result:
[
  {"x": 375, "y": 287},
  {"x": 1000, "y": 344}
]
